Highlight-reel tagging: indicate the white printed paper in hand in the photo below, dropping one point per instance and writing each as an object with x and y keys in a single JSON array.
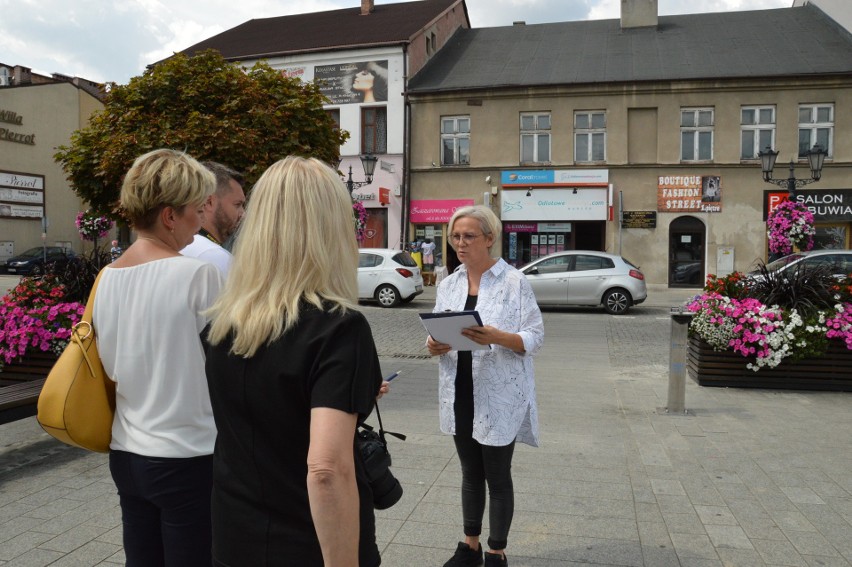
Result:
[{"x": 447, "y": 327}]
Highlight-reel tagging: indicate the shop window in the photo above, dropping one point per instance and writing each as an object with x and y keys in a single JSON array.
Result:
[
  {"x": 816, "y": 126},
  {"x": 831, "y": 237},
  {"x": 757, "y": 130},
  {"x": 589, "y": 136},
  {"x": 696, "y": 134},
  {"x": 374, "y": 130},
  {"x": 535, "y": 137},
  {"x": 455, "y": 140}
]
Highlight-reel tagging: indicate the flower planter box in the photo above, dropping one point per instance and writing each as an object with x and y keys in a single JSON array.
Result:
[{"x": 708, "y": 367}]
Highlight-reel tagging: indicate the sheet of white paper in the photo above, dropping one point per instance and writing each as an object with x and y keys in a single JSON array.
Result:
[{"x": 447, "y": 327}]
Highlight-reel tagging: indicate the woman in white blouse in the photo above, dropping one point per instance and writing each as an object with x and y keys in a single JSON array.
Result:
[
  {"x": 148, "y": 318},
  {"x": 487, "y": 397}
]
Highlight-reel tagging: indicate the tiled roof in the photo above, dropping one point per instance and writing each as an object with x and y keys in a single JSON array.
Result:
[
  {"x": 761, "y": 43},
  {"x": 326, "y": 31}
]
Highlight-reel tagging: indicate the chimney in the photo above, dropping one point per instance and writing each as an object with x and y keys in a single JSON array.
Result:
[
  {"x": 366, "y": 7},
  {"x": 638, "y": 14},
  {"x": 22, "y": 75}
]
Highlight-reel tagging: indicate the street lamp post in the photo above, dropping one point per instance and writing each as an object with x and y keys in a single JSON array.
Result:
[
  {"x": 368, "y": 162},
  {"x": 816, "y": 157}
]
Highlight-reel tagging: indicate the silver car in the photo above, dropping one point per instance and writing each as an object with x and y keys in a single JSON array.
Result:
[
  {"x": 389, "y": 276},
  {"x": 587, "y": 277},
  {"x": 838, "y": 262}
]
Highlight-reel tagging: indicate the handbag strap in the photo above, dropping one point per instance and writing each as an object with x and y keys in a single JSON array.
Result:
[
  {"x": 90, "y": 304},
  {"x": 86, "y": 321},
  {"x": 382, "y": 431}
]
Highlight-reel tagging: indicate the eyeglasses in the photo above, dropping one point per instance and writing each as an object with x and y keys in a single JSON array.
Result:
[{"x": 468, "y": 238}]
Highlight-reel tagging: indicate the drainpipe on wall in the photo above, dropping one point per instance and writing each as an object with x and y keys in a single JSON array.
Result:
[{"x": 406, "y": 151}]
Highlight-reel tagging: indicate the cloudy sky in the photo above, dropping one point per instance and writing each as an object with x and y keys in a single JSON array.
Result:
[{"x": 113, "y": 40}]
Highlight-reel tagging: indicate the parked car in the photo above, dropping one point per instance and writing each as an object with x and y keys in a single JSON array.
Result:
[
  {"x": 35, "y": 260},
  {"x": 838, "y": 262},
  {"x": 587, "y": 277},
  {"x": 389, "y": 276}
]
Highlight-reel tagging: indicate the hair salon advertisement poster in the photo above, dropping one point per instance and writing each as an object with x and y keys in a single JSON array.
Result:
[{"x": 352, "y": 83}]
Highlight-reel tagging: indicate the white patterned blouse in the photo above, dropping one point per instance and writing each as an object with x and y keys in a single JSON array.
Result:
[{"x": 504, "y": 402}]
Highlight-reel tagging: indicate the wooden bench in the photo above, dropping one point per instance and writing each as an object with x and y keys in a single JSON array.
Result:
[
  {"x": 18, "y": 401},
  {"x": 20, "y": 385}
]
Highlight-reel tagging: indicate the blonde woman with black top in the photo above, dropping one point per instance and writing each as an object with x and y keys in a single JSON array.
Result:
[{"x": 292, "y": 369}]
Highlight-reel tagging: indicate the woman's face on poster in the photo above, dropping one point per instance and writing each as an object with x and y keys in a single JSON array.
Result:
[{"x": 363, "y": 81}]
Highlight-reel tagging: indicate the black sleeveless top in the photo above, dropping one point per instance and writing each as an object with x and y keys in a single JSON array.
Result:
[{"x": 463, "y": 406}]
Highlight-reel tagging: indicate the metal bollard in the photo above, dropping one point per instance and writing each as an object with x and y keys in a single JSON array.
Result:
[{"x": 676, "y": 403}]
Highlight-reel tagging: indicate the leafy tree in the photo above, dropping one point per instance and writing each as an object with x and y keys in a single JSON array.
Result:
[{"x": 212, "y": 109}]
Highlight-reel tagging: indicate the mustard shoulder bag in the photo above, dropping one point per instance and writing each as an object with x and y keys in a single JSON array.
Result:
[{"x": 77, "y": 402}]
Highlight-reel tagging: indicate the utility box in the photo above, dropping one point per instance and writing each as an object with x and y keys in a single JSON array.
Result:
[
  {"x": 724, "y": 260},
  {"x": 7, "y": 250}
]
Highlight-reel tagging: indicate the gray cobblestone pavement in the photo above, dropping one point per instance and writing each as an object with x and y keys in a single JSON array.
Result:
[{"x": 746, "y": 478}]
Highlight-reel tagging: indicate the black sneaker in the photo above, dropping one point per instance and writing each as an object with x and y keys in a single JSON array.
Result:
[
  {"x": 465, "y": 557},
  {"x": 495, "y": 560}
]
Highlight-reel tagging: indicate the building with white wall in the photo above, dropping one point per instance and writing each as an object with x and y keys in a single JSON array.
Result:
[{"x": 364, "y": 57}]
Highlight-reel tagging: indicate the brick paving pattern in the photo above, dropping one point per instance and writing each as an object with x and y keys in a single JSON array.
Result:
[{"x": 746, "y": 478}]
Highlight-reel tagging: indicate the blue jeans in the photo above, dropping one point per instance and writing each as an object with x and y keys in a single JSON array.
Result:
[{"x": 165, "y": 509}]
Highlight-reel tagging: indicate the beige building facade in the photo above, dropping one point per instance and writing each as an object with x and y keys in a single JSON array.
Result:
[
  {"x": 664, "y": 172},
  {"x": 37, "y": 204}
]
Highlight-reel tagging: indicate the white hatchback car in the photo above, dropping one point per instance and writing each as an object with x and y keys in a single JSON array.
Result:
[
  {"x": 587, "y": 277},
  {"x": 389, "y": 276}
]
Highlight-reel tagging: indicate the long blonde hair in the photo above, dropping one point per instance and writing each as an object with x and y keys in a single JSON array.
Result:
[{"x": 296, "y": 243}]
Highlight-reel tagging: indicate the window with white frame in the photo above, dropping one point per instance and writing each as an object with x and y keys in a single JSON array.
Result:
[
  {"x": 455, "y": 140},
  {"x": 696, "y": 134},
  {"x": 816, "y": 126},
  {"x": 757, "y": 130},
  {"x": 589, "y": 136},
  {"x": 535, "y": 137}
]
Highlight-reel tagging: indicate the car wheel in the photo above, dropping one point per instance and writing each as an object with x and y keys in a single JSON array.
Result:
[
  {"x": 617, "y": 301},
  {"x": 387, "y": 296}
]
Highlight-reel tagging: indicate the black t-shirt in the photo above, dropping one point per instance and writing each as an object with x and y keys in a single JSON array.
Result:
[
  {"x": 463, "y": 405},
  {"x": 262, "y": 405}
]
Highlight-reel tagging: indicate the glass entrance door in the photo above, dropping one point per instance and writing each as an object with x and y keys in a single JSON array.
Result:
[{"x": 686, "y": 252}]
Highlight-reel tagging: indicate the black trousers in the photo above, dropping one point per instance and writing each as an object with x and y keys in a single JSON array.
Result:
[
  {"x": 165, "y": 509},
  {"x": 483, "y": 464}
]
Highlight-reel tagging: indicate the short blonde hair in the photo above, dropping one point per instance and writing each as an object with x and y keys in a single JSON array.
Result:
[
  {"x": 488, "y": 222},
  {"x": 296, "y": 243},
  {"x": 163, "y": 178}
]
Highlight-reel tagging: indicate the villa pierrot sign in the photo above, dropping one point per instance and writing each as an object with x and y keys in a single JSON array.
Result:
[
  {"x": 827, "y": 205},
  {"x": 21, "y": 195},
  {"x": 11, "y": 117}
]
